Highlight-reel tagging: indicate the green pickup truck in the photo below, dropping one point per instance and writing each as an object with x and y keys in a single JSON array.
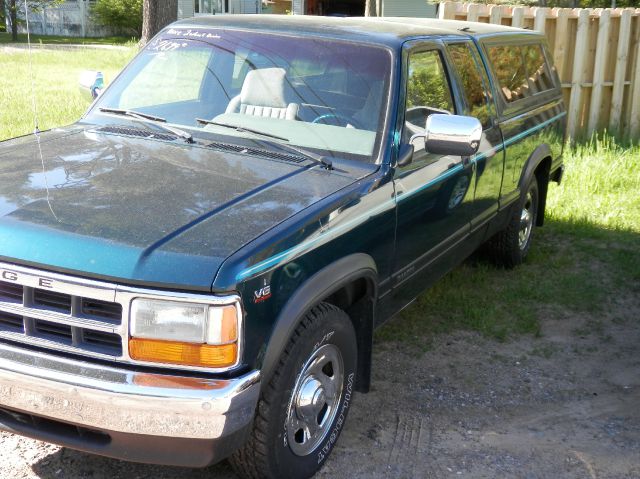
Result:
[{"x": 194, "y": 270}]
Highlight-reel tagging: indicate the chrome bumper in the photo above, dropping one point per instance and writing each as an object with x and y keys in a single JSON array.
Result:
[{"x": 119, "y": 400}]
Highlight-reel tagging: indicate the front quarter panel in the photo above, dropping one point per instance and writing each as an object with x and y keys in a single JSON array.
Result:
[{"x": 359, "y": 220}]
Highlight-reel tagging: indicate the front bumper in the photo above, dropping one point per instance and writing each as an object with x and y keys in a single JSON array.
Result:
[{"x": 107, "y": 410}]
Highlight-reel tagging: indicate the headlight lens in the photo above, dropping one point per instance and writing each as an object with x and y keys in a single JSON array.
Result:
[
  {"x": 168, "y": 320},
  {"x": 189, "y": 334}
]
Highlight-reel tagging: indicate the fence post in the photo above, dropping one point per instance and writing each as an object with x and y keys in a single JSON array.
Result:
[
  {"x": 517, "y": 19},
  {"x": 634, "y": 123},
  {"x": 599, "y": 71},
  {"x": 540, "y": 19},
  {"x": 447, "y": 11},
  {"x": 560, "y": 43},
  {"x": 575, "y": 98},
  {"x": 495, "y": 14},
  {"x": 473, "y": 12},
  {"x": 622, "y": 57}
]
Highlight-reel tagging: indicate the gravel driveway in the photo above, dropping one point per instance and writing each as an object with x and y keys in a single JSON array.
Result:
[{"x": 564, "y": 405}]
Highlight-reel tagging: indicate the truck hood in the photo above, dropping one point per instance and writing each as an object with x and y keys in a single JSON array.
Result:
[{"x": 143, "y": 211}]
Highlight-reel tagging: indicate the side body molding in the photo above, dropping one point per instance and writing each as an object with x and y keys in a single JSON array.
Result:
[{"x": 318, "y": 287}]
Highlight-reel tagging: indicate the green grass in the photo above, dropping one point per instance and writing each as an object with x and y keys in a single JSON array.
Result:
[
  {"x": 55, "y": 40},
  {"x": 55, "y": 74},
  {"x": 583, "y": 260}
]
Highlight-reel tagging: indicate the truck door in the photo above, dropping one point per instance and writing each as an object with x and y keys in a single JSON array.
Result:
[
  {"x": 434, "y": 192},
  {"x": 475, "y": 91}
]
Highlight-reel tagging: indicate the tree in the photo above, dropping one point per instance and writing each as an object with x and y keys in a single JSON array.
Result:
[
  {"x": 157, "y": 14},
  {"x": 373, "y": 8},
  {"x": 2, "y": 15},
  {"x": 13, "y": 20},
  {"x": 124, "y": 14},
  {"x": 370, "y": 8}
]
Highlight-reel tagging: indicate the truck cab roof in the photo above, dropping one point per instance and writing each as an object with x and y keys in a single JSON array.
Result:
[{"x": 389, "y": 31}]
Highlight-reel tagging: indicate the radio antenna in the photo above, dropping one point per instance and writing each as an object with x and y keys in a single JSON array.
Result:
[{"x": 34, "y": 104}]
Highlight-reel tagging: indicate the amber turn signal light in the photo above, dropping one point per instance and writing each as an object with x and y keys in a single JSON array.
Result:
[{"x": 185, "y": 354}]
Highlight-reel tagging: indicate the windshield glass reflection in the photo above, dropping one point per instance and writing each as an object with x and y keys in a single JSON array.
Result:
[{"x": 320, "y": 94}]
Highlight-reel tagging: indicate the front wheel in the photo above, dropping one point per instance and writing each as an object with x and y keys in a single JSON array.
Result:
[
  {"x": 510, "y": 246},
  {"x": 302, "y": 410}
]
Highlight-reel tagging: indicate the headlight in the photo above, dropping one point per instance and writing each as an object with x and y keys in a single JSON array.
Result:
[{"x": 189, "y": 334}]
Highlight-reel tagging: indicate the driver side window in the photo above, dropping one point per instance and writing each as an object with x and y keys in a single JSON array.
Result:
[{"x": 428, "y": 92}]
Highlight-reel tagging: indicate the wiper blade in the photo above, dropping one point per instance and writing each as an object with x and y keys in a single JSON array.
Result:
[
  {"x": 156, "y": 119},
  {"x": 323, "y": 161},
  {"x": 133, "y": 113},
  {"x": 319, "y": 159},
  {"x": 241, "y": 129}
]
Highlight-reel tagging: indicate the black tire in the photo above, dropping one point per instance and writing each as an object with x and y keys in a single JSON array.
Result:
[
  {"x": 507, "y": 248},
  {"x": 269, "y": 451}
]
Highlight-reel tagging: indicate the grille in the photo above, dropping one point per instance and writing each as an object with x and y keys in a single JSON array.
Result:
[
  {"x": 52, "y": 300},
  {"x": 102, "y": 309},
  {"x": 76, "y": 316},
  {"x": 11, "y": 292},
  {"x": 257, "y": 151},
  {"x": 125, "y": 131},
  {"x": 75, "y": 323},
  {"x": 11, "y": 321}
]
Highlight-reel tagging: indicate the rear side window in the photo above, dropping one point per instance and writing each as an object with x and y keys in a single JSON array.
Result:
[
  {"x": 467, "y": 66},
  {"x": 539, "y": 76},
  {"x": 521, "y": 70},
  {"x": 508, "y": 65}
]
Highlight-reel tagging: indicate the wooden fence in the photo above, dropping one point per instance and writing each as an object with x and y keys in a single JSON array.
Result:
[{"x": 596, "y": 53}]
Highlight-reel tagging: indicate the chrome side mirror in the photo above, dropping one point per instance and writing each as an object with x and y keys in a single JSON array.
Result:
[
  {"x": 452, "y": 135},
  {"x": 91, "y": 84}
]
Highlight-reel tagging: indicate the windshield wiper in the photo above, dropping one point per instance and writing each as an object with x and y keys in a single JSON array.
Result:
[
  {"x": 133, "y": 113},
  {"x": 319, "y": 159},
  {"x": 241, "y": 129},
  {"x": 156, "y": 119}
]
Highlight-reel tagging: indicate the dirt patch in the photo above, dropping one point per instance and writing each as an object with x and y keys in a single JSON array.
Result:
[{"x": 564, "y": 405}]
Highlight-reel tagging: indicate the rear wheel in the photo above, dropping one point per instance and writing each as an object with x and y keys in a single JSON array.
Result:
[
  {"x": 510, "y": 246},
  {"x": 302, "y": 410}
]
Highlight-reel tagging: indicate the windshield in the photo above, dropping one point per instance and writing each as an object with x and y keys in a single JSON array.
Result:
[{"x": 325, "y": 95}]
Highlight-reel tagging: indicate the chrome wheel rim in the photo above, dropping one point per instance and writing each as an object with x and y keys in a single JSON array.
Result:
[
  {"x": 314, "y": 402},
  {"x": 526, "y": 222}
]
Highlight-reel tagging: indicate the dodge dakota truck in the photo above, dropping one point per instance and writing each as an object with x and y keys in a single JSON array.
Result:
[{"x": 194, "y": 270}]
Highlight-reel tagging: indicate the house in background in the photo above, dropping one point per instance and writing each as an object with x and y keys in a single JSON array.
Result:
[
  {"x": 189, "y": 8},
  {"x": 388, "y": 8},
  {"x": 73, "y": 17},
  {"x": 281, "y": 7}
]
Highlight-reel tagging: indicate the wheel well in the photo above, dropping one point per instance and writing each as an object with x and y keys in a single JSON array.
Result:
[
  {"x": 349, "y": 294},
  {"x": 542, "y": 176},
  {"x": 357, "y": 299}
]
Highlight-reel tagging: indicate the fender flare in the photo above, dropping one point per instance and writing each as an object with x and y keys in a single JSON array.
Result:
[
  {"x": 539, "y": 154},
  {"x": 318, "y": 287}
]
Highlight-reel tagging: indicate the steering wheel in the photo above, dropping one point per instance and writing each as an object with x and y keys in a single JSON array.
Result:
[{"x": 340, "y": 118}]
